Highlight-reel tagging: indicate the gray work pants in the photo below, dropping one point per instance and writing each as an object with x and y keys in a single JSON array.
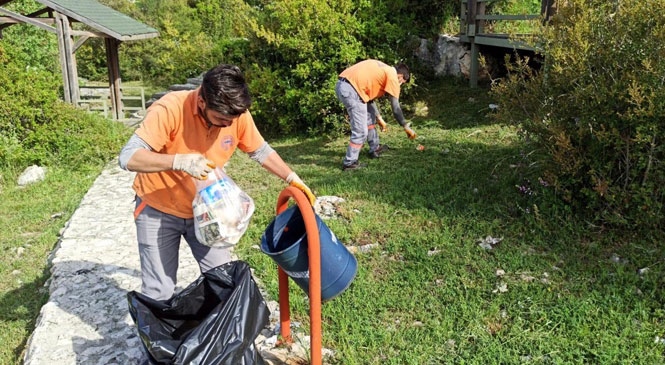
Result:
[
  {"x": 159, "y": 235},
  {"x": 362, "y": 119}
]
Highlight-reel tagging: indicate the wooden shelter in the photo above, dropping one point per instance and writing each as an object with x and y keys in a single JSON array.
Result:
[{"x": 57, "y": 17}]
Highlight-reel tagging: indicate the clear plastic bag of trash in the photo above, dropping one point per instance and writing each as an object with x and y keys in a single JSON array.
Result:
[{"x": 221, "y": 210}]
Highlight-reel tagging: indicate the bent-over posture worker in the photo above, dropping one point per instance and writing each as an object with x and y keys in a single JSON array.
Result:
[
  {"x": 357, "y": 88},
  {"x": 186, "y": 134}
]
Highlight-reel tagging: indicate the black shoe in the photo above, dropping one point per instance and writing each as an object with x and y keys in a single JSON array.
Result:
[
  {"x": 379, "y": 150},
  {"x": 382, "y": 148},
  {"x": 355, "y": 165}
]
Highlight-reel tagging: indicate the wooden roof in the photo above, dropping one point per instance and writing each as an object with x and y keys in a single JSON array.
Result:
[{"x": 99, "y": 17}]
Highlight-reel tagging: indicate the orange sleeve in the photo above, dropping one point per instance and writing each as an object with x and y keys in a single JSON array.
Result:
[
  {"x": 158, "y": 127},
  {"x": 249, "y": 137},
  {"x": 392, "y": 83}
]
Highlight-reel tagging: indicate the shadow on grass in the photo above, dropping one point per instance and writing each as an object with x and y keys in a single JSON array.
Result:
[
  {"x": 566, "y": 285},
  {"x": 447, "y": 103},
  {"x": 453, "y": 179},
  {"x": 479, "y": 183},
  {"x": 20, "y": 305}
]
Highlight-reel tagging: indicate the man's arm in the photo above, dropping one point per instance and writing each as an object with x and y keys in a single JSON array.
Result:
[
  {"x": 377, "y": 114},
  {"x": 149, "y": 161},
  {"x": 274, "y": 164},
  {"x": 138, "y": 156},
  {"x": 397, "y": 112}
]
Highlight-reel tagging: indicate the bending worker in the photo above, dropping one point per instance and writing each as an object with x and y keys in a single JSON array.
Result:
[
  {"x": 357, "y": 88},
  {"x": 186, "y": 134}
]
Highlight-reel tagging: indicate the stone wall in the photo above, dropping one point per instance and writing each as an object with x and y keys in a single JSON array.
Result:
[
  {"x": 448, "y": 57},
  {"x": 191, "y": 84}
]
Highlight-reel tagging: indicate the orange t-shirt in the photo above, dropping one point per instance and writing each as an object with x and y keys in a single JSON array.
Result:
[
  {"x": 173, "y": 125},
  {"x": 372, "y": 79}
]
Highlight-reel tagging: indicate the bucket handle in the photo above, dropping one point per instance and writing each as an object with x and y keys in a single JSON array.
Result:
[{"x": 314, "y": 254}]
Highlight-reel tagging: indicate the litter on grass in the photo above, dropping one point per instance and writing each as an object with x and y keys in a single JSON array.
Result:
[{"x": 489, "y": 242}]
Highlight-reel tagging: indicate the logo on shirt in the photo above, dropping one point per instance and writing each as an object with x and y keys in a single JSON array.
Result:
[{"x": 226, "y": 142}]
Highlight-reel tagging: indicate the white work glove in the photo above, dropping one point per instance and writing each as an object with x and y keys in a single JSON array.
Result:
[
  {"x": 294, "y": 180},
  {"x": 194, "y": 164},
  {"x": 409, "y": 132}
]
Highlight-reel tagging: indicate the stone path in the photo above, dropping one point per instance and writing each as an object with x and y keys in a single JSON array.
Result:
[{"x": 95, "y": 265}]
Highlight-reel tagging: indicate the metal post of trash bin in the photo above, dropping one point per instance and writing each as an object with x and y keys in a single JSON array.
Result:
[{"x": 314, "y": 255}]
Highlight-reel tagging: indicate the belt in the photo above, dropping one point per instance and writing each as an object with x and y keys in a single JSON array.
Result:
[{"x": 343, "y": 79}]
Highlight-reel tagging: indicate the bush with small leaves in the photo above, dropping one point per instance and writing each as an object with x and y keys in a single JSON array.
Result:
[{"x": 595, "y": 109}]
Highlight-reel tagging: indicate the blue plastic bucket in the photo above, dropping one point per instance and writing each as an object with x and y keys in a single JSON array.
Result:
[{"x": 285, "y": 241}]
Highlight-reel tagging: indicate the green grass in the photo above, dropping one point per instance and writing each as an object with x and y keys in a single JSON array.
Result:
[
  {"x": 30, "y": 221},
  {"x": 566, "y": 300},
  {"x": 428, "y": 294},
  {"x": 515, "y": 7}
]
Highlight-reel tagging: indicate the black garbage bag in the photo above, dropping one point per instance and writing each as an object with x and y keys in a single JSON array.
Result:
[{"x": 214, "y": 320}]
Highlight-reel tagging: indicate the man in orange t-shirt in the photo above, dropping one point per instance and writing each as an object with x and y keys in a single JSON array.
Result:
[
  {"x": 357, "y": 88},
  {"x": 185, "y": 135}
]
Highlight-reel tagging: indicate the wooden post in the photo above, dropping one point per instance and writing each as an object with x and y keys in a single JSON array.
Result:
[
  {"x": 114, "y": 77},
  {"x": 472, "y": 7},
  {"x": 61, "y": 25},
  {"x": 547, "y": 9}
]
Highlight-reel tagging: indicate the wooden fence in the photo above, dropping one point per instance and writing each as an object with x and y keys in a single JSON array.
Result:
[
  {"x": 97, "y": 99},
  {"x": 476, "y": 29}
]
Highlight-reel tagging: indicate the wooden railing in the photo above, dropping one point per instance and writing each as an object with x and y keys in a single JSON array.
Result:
[
  {"x": 477, "y": 28},
  {"x": 97, "y": 99}
]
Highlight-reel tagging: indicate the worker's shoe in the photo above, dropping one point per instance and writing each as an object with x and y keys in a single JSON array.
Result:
[
  {"x": 378, "y": 151},
  {"x": 355, "y": 165}
]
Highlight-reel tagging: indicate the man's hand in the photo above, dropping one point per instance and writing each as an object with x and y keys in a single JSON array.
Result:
[
  {"x": 294, "y": 180},
  {"x": 194, "y": 164},
  {"x": 409, "y": 132},
  {"x": 382, "y": 124}
]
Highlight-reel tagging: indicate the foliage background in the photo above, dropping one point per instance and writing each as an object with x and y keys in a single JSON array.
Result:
[
  {"x": 291, "y": 50},
  {"x": 593, "y": 117}
]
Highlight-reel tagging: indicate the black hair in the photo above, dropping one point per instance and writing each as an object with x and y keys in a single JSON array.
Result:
[
  {"x": 404, "y": 70},
  {"x": 224, "y": 90}
]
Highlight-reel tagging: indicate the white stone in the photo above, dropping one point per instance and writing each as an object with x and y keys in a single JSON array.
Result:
[{"x": 31, "y": 175}]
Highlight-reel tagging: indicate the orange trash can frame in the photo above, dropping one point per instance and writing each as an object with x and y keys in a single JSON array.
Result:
[{"x": 307, "y": 251}]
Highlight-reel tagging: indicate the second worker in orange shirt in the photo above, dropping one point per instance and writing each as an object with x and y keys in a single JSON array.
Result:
[{"x": 357, "y": 88}]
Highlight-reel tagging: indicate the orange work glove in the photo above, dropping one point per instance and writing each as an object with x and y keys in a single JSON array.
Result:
[
  {"x": 193, "y": 164},
  {"x": 294, "y": 180},
  {"x": 409, "y": 132},
  {"x": 382, "y": 124}
]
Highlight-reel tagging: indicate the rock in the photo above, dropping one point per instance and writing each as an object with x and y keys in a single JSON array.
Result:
[
  {"x": 446, "y": 57},
  {"x": 326, "y": 207},
  {"x": 31, "y": 175},
  {"x": 449, "y": 57},
  {"x": 195, "y": 80}
]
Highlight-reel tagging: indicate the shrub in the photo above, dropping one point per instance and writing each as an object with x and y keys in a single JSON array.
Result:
[
  {"x": 595, "y": 110},
  {"x": 297, "y": 49},
  {"x": 36, "y": 127}
]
